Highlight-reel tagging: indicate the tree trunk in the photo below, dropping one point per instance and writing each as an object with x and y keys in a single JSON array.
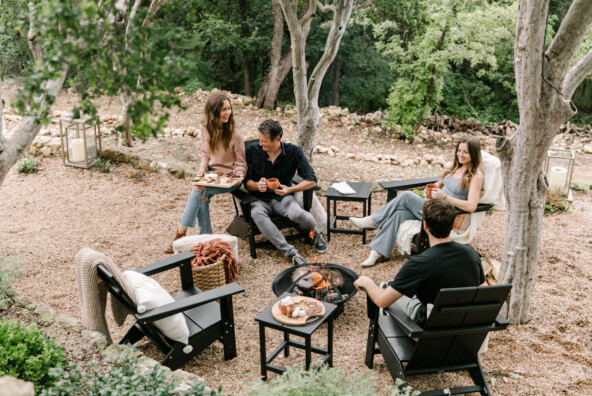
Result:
[
  {"x": 307, "y": 92},
  {"x": 11, "y": 147},
  {"x": 336, "y": 76},
  {"x": 244, "y": 35},
  {"x": 543, "y": 108},
  {"x": 126, "y": 122}
]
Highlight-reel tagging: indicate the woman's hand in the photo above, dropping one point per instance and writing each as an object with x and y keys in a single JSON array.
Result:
[
  {"x": 438, "y": 193},
  {"x": 199, "y": 187}
]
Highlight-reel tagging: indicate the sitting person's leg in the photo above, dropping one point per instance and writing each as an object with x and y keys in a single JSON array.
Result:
[
  {"x": 203, "y": 211},
  {"x": 261, "y": 212},
  {"x": 192, "y": 207},
  {"x": 289, "y": 207},
  {"x": 407, "y": 208}
]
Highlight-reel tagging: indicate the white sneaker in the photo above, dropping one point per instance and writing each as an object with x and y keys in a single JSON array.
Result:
[
  {"x": 372, "y": 259},
  {"x": 363, "y": 222}
]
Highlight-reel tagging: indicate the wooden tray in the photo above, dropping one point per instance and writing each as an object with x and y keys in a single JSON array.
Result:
[
  {"x": 233, "y": 182},
  {"x": 302, "y": 302}
]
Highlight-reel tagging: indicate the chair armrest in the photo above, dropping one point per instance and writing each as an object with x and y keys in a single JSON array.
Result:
[
  {"x": 243, "y": 196},
  {"x": 404, "y": 322},
  {"x": 168, "y": 263},
  {"x": 482, "y": 207},
  {"x": 393, "y": 186},
  {"x": 190, "y": 302},
  {"x": 500, "y": 323}
]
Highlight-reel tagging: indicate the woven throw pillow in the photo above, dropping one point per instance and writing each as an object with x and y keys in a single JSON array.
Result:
[{"x": 149, "y": 295}]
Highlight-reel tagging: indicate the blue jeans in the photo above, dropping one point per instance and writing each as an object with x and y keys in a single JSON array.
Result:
[{"x": 195, "y": 208}]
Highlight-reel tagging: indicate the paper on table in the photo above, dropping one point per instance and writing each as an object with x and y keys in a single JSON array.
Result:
[{"x": 343, "y": 188}]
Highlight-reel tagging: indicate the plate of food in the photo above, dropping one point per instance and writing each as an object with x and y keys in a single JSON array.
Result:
[
  {"x": 217, "y": 179},
  {"x": 297, "y": 310}
]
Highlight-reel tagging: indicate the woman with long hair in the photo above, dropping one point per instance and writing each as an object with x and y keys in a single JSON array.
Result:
[
  {"x": 460, "y": 185},
  {"x": 222, "y": 149}
]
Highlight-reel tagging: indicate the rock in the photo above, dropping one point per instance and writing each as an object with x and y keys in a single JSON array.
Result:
[
  {"x": 33, "y": 150},
  {"x": 10, "y": 386},
  {"x": 68, "y": 321},
  {"x": 122, "y": 158},
  {"x": 335, "y": 149},
  {"x": 95, "y": 338},
  {"x": 144, "y": 164},
  {"x": 117, "y": 351},
  {"x": 22, "y": 300},
  {"x": 41, "y": 141},
  {"x": 30, "y": 307},
  {"x": 45, "y": 312},
  {"x": 516, "y": 376}
]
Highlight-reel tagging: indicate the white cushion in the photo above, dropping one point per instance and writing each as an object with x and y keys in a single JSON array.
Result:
[
  {"x": 186, "y": 243},
  {"x": 149, "y": 295}
]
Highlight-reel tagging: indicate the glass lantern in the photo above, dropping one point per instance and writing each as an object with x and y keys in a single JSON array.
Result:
[
  {"x": 559, "y": 167},
  {"x": 81, "y": 142}
]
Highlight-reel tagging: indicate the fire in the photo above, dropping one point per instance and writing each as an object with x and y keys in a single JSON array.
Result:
[
  {"x": 319, "y": 280},
  {"x": 311, "y": 234}
]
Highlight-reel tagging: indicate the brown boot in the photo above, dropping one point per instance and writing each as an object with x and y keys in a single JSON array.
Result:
[{"x": 169, "y": 249}]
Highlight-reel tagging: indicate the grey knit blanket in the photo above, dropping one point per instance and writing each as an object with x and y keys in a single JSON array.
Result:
[{"x": 92, "y": 291}]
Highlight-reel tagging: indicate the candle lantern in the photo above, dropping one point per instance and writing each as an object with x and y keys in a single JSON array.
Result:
[
  {"x": 559, "y": 167},
  {"x": 81, "y": 142}
]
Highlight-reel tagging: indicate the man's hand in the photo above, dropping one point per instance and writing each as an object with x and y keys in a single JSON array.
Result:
[
  {"x": 362, "y": 283},
  {"x": 262, "y": 184},
  {"x": 282, "y": 190}
]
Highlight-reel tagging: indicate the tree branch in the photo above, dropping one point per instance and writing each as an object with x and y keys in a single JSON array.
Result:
[
  {"x": 154, "y": 7},
  {"x": 34, "y": 47},
  {"x": 312, "y": 8},
  {"x": 569, "y": 36},
  {"x": 362, "y": 5},
  {"x": 577, "y": 74},
  {"x": 326, "y": 7},
  {"x": 1, "y": 118}
]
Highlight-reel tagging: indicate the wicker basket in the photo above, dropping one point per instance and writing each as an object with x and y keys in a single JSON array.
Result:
[{"x": 211, "y": 276}]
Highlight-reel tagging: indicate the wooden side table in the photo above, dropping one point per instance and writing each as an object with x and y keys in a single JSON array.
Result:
[
  {"x": 266, "y": 319},
  {"x": 363, "y": 194}
]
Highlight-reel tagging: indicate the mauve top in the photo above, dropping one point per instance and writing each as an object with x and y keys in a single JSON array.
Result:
[{"x": 231, "y": 159}]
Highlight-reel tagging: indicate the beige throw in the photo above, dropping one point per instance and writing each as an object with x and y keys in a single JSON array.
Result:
[{"x": 92, "y": 292}]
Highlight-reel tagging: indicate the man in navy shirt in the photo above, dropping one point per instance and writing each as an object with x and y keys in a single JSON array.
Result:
[
  {"x": 272, "y": 158},
  {"x": 445, "y": 264}
]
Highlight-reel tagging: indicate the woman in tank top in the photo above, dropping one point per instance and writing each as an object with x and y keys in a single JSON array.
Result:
[{"x": 460, "y": 185}]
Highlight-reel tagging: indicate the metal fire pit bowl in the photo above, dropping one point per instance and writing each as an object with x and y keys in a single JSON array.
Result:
[{"x": 284, "y": 281}]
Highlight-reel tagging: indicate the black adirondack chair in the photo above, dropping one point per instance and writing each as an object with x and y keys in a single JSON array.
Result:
[
  {"x": 243, "y": 225},
  {"x": 450, "y": 340},
  {"x": 208, "y": 320}
]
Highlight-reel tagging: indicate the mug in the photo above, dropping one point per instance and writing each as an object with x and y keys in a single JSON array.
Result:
[
  {"x": 273, "y": 184},
  {"x": 429, "y": 189}
]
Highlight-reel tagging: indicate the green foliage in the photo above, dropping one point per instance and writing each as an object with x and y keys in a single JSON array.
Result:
[
  {"x": 9, "y": 269},
  {"x": 15, "y": 57},
  {"x": 26, "y": 353},
  {"x": 325, "y": 382},
  {"x": 418, "y": 192},
  {"x": 102, "y": 165},
  {"x": 27, "y": 165},
  {"x": 556, "y": 201},
  {"x": 120, "y": 379}
]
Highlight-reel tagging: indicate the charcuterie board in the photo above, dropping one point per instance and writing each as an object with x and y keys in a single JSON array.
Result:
[
  {"x": 220, "y": 181},
  {"x": 313, "y": 309}
]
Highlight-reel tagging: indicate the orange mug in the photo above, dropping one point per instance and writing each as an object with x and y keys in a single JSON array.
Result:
[
  {"x": 429, "y": 189},
  {"x": 273, "y": 184}
]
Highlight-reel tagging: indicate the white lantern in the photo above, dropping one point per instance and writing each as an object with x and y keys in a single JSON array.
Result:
[
  {"x": 559, "y": 168},
  {"x": 81, "y": 142}
]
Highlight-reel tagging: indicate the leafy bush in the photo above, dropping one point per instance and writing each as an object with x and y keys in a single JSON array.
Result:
[
  {"x": 325, "y": 382},
  {"x": 120, "y": 379},
  {"x": 9, "y": 269},
  {"x": 556, "y": 202},
  {"x": 26, "y": 353},
  {"x": 27, "y": 165},
  {"x": 102, "y": 165},
  {"x": 580, "y": 186}
]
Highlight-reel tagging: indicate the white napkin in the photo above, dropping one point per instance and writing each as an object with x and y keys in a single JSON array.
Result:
[{"x": 343, "y": 188}]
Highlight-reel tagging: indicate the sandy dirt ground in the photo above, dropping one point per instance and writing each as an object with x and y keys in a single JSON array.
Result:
[{"x": 49, "y": 216}]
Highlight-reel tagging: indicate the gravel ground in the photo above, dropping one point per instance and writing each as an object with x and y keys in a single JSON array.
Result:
[{"x": 47, "y": 217}]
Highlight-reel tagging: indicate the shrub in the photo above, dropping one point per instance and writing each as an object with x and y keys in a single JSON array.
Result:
[
  {"x": 102, "y": 165},
  {"x": 26, "y": 353},
  {"x": 9, "y": 269},
  {"x": 580, "y": 186},
  {"x": 556, "y": 202},
  {"x": 324, "y": 382},
  {"x": 27, "y": 165},
  {"x": 120, "y": 379}
]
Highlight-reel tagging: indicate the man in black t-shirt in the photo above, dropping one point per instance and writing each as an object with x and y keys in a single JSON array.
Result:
[{"x": 445, "y": 264}]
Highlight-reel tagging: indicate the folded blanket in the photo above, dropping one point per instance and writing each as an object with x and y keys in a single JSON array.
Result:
[{"x": 209, "y": 252}]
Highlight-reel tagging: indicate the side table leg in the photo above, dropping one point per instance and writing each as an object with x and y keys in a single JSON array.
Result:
[
  {"x": 308, "y": 351},
  {"x": 262, "y": 352},
  {"x": 328, "y": 220},
  {"x": 364, "y": 230},
  {"x": 287, "y": 347},
  {"x": 330, "y": 341}
]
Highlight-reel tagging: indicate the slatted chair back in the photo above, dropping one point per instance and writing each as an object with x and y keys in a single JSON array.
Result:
[{"x": 458, "y": 325}]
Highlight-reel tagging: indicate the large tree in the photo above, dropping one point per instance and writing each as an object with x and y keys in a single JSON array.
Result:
[
  {"x": 307, "y": 90},
  {"x": 546, "y": 78},
  {"x": 91, "y": 36}
]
